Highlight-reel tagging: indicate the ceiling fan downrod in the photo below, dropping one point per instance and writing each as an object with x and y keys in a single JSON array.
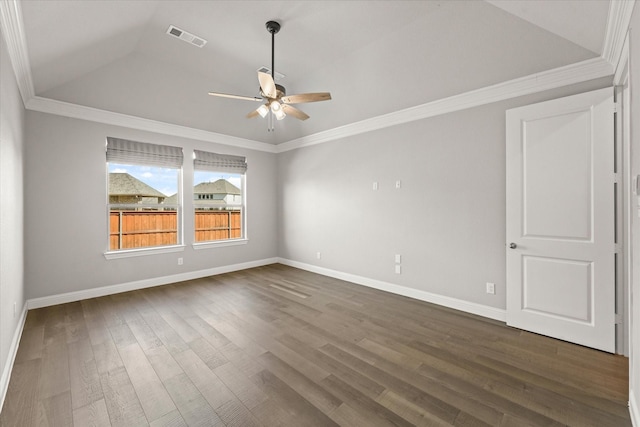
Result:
[{"x": 273, "y": 27}]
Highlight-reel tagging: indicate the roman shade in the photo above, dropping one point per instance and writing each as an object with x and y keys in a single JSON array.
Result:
[
  {"x": 141, "y": 153},
  {"x": 204, "y": 160}
]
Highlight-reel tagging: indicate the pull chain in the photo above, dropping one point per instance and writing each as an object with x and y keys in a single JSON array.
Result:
[{"x": 270, "y": 122}]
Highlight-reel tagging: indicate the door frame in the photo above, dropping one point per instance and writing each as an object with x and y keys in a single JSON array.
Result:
[{"x": 624, "y": 202}]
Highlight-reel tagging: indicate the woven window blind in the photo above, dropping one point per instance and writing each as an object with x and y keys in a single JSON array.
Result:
[
  {"x": 141, "y": 153},
  {"x": 214, "y": 162}
]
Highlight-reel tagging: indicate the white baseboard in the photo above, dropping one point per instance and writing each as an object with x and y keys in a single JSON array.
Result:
[
  {"x": 457, "y": 304},
  {"x": 634, "y": 408},
  {"x": 141, "y": 284},
  {"x": 11, "y": 356}
]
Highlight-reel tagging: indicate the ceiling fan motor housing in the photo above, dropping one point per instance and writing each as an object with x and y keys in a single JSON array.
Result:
[
  {"x": 280, "y": 92},
  {"x": 273, "y": 27}
]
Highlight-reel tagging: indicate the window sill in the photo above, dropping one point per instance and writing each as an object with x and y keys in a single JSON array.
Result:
[
  {"x": 220, "y": 244},
  {"x": 128, "y": 253}
]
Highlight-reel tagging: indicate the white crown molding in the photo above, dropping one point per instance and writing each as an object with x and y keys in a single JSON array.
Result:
[
  {"x": 622, "y": 66},
  {"x": 620, "y": 12},
  {"x": 551, "y": 79},
  {"x": 445, "y": 301},
  {"x": 67, "y": 109},
  {"x": 12, "y": 28}
]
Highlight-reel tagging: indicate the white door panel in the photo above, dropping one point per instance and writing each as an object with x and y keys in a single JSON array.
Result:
[
  {"x": 563, "y": 278},
  {"x": 560, "y": 219},
  {"x": 557, "y": 165}
]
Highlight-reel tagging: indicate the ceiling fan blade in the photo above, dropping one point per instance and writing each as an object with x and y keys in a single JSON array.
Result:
[
  {"x": 306, "y": 97},
  {"x": 267, "y": 85},
  {"x": 252, "y": 114},
  {"x": 293, "y": 111},
  {"x": 227, "y": 95}
]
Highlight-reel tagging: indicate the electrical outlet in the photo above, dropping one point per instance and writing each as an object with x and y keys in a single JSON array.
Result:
[
  {"x": 375, "y": 185},
  {"x": 180, "y": 260},
  {"x": 318, "y": 255},
  {"x": 398, "y": 258},
  {"x": 398, "y": 184},
  {"x": 398, "y": 269},
  {"x": 491, "y": 288}
]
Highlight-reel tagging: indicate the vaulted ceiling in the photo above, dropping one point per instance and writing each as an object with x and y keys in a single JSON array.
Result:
[{"x": 375, "y": 57}]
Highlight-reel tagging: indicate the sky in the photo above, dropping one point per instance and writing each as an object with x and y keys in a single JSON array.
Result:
[{"x": 165, "y": 180}]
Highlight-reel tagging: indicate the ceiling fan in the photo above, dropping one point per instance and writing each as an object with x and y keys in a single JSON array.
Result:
[{"x": 274, "y": 95}]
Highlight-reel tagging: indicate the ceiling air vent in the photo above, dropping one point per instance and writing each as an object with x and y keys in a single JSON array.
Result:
[
  {"x": 185, "y": 36},
  {"x": 278, "y": 76}
]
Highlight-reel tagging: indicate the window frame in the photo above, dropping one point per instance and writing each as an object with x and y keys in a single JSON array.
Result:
[
  {"x": 221, "y": 164},
  {"x": 243, "y": 223},
  {"x": 179, "y": 208}
]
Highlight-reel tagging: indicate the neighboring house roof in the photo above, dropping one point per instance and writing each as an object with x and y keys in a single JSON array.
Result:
[
  {"x": 171, "y": 200},
  {"x": 221, "y": 186},
  {"x": 123, "y": 184}
]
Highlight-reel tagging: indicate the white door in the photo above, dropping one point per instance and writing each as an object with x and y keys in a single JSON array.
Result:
[{"x": 560, "y": 219}]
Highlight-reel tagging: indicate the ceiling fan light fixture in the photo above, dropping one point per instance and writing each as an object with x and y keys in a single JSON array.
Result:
[
  {"x": 263, "y": 110},
  {"x": 275, "y": 107},
  {"x": 280, "y": 114}
]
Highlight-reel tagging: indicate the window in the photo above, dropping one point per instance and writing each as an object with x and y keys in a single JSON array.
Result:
[
  {"x": 218, "y": 195},
  {"x": 144, "y": 200}
]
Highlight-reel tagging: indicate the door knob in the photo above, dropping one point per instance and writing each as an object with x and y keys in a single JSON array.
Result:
[{"x": 513, "y": 245}]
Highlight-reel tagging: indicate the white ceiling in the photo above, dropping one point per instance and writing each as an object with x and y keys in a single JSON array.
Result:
[
  {"x": 375, "y": 57},
  {"x": 582, "y": 22}
]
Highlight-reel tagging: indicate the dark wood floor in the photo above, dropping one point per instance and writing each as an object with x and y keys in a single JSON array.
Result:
[{"x": 280, "y": 346}]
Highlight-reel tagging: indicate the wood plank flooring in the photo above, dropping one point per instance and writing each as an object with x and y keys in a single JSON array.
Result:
[{"x": 277, "y": 346}]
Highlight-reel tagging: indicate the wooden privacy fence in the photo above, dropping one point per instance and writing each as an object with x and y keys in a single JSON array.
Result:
[
  {"x": 139, "y": 229},
  {"x": 218, "y": 225}
]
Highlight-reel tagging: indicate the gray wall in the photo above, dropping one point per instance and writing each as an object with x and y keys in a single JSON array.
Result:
[
  {"x": 447, "y": 220},
  {"x": 65, "y": 209},
  {"x": 11, "y": 206}
]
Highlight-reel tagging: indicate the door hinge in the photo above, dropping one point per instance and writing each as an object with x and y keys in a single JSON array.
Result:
[
  {"x": 616, "y": 107},
  {"x": 618, "y": 319}
]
